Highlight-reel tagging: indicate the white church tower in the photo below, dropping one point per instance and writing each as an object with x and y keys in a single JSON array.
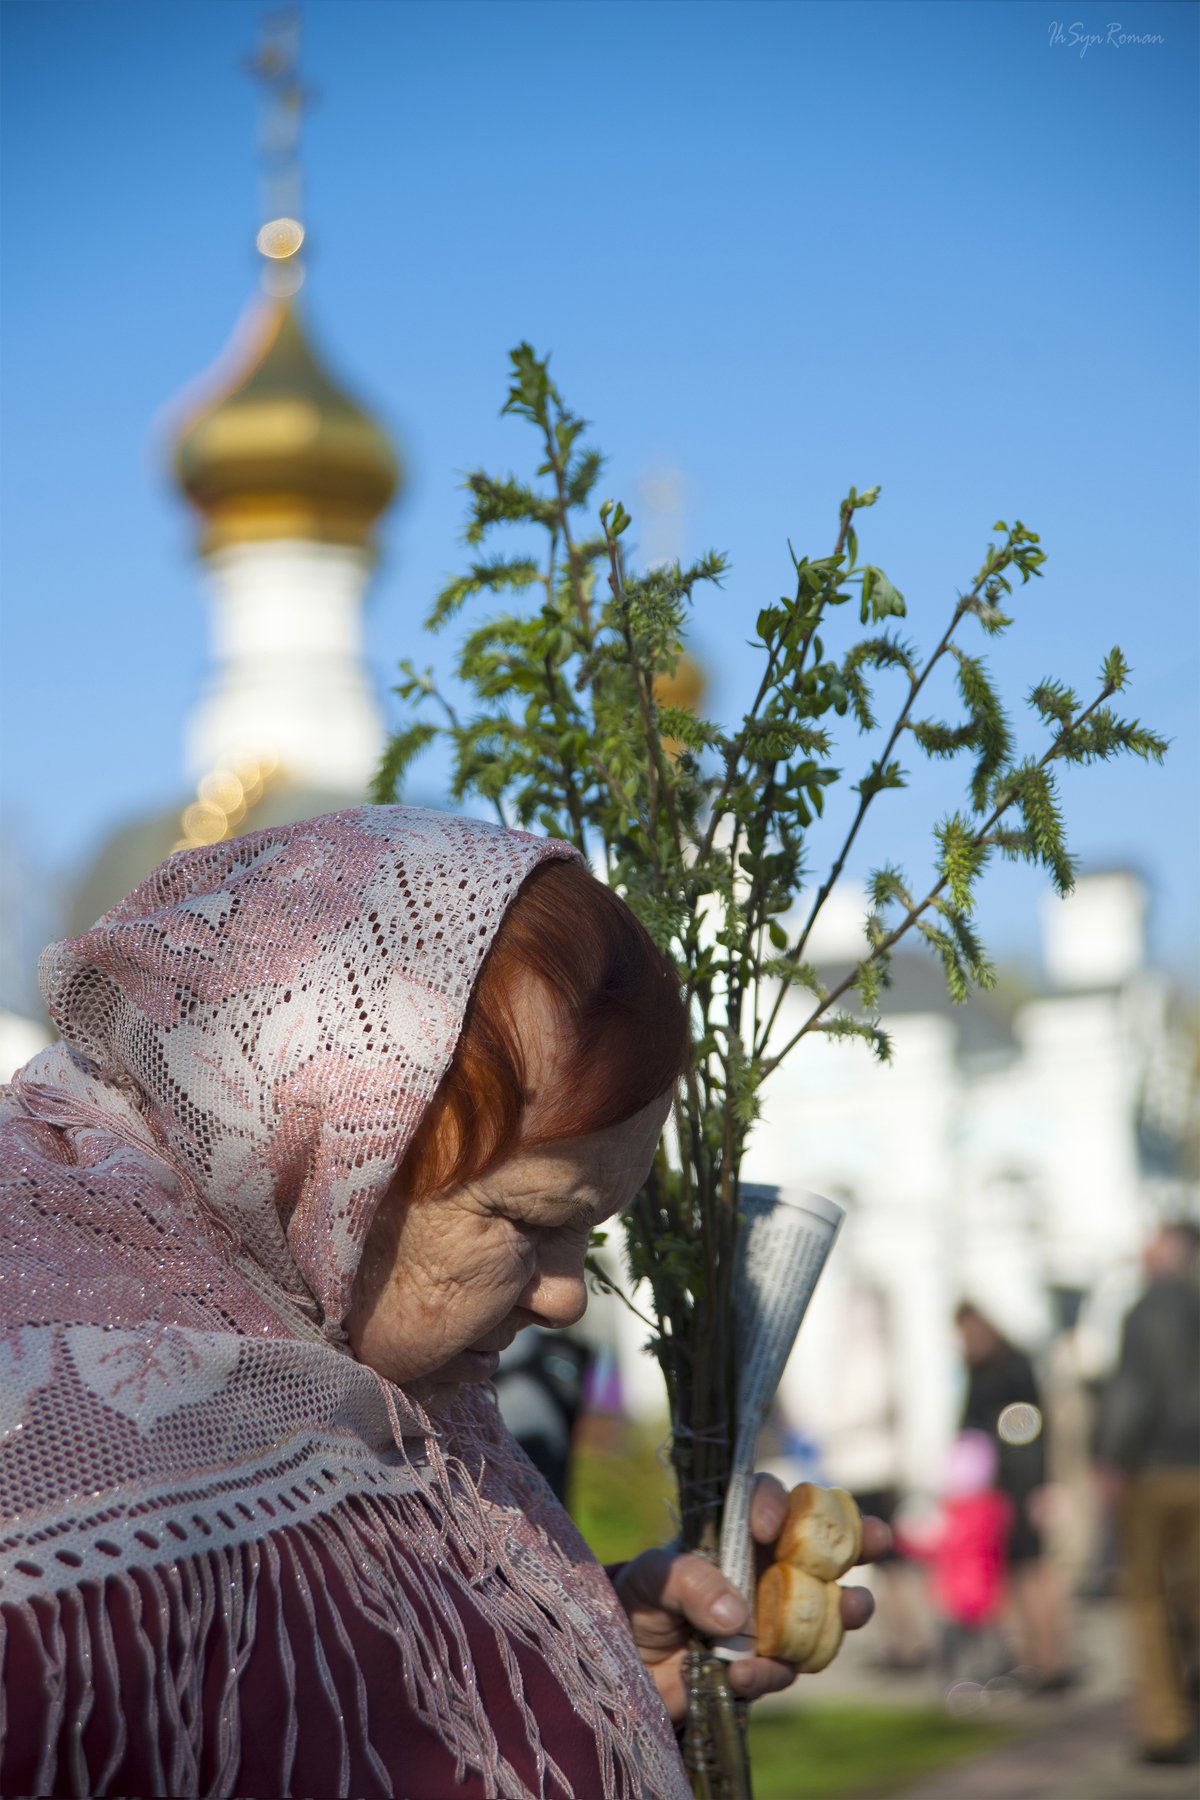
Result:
[{"x": 288, "y": 476}]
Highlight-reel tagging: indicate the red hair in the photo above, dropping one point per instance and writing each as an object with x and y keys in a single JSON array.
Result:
[{"x": 624, "y": 1023}]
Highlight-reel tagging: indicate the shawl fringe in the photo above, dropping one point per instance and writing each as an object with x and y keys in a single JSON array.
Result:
[{"x": 94, "y": 1649}]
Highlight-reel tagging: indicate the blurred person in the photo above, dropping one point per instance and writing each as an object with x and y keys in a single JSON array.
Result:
[
  {"x": 1148, "y": 1468},
  {"x": 1096, "y": 1346},
  {"x": 1003, "y": 1400},
  {"x": 965, "y": 1547}
]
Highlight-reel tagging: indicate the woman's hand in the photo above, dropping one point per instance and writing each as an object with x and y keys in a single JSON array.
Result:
[{"x": 667, "y": 1593}]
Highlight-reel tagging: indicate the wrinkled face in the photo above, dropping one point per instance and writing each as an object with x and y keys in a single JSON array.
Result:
[{"x": 476, "y": 1263}]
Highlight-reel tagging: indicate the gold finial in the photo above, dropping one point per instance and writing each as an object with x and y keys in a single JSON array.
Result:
[
  {"x": 276, "y": 69},
  {"x": 278, "y": 450}
]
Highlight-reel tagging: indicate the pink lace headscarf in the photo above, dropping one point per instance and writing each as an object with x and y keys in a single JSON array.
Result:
[{"x": 249, "y": 1042}]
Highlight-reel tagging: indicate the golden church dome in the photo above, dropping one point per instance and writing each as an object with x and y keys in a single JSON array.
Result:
[
  {"x": 685, "y": 686},
  {"x": 280, "y": 451}
]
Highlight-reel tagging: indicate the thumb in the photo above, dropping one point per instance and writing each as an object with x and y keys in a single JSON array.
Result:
[{"x": 684, "y": 1587}]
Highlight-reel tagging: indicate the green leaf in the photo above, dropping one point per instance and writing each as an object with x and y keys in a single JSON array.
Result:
[
  {"x": 1102, "y": 736},
  {"x": 887, "y": 885},
  {"x": 505, "y": 502},
  {"x": 1037, "y": 800},
  {"x": 1115, "y": 672},
  {"x": 677, "y": 722},
  {"x": 878, "y": 777},
  {"x": 771, "y": 621},
  {"x": 532, "y": 392},
  {"x": 1015, "y": 846},
  {"x": 1055, "y": 703},
  {"x": 878, "y": 598},
  {"x": 582, "y": 477},
  {"x": 991, "y": 730},
  {"x": 962, "y": 855},
  {"x": 957, "y": 984},
  {"x": 942, "y": 740},
  {"x": 973, "y": 958},
  {"x": 514, "y": 573},
  {"x": 989, "y": 615},
  {"x": 614, "y": 518},
  {"x": 794, "y": 974},
  {"x": 401, "y": 749},
  {"x": 844, "y": 1025}
]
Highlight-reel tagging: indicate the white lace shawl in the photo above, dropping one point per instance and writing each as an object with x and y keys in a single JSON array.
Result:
[{"x": 249, "y": 1042}]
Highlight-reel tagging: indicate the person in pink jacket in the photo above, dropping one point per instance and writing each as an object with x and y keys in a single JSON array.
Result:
[{"x": 964, "y": 1547}]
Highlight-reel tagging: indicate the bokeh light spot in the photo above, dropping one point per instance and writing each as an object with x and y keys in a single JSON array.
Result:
[
  {"x": 1019, "y": 1423},
  {"x": 280, "y": 238}
]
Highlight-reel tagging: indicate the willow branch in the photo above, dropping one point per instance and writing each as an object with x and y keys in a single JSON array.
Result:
[
  {"x": 736, "y": 750},
  {"x": 1056, "y": 749},
  {"x": 659, "y": 778},
  {"x": 573, "y": 575},
  {"x": 916, "y": 683}
]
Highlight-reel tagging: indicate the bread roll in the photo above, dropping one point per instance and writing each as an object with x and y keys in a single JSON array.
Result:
[
  {"x": 799, "y": 1618},
  {"x": 822, "y": 1532}
]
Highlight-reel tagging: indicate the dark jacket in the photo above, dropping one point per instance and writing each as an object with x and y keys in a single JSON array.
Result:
[
  {"x": 1150, "y": 1414},
  {"x": 1003, "y": 1380}
]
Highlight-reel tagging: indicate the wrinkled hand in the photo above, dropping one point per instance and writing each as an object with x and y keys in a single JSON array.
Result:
[{"x": 666, "y": 1593}]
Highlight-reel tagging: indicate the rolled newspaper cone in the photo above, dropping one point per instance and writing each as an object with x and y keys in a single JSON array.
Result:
[{"x": 783, "y": 1244}]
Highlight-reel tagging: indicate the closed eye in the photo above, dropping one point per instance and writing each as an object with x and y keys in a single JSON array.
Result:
[{"x": 578, "y": 1224}]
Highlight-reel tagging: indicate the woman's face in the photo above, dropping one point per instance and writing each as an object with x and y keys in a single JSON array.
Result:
[{"x": 476, "y": 1263}]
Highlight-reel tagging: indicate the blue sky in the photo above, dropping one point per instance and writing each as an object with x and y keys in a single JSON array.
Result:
[{"x": 777, "y": 247}]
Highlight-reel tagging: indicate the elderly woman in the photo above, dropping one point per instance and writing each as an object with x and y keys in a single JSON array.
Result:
[{"x": 335, "y": 1110}]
